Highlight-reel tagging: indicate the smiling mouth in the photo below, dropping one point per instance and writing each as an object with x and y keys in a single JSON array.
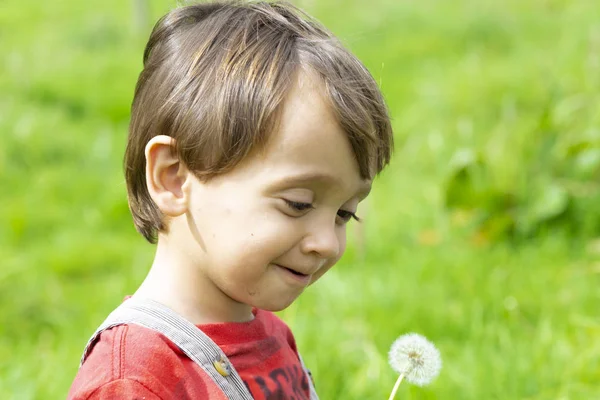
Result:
[
  {"x": 295, "y": 272},
  {"x": 297, "y": 276}
]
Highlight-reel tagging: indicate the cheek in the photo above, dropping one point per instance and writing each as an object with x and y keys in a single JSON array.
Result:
[
  {"x": 249, "y": 236},
  {"x": 342, "y": 242}
]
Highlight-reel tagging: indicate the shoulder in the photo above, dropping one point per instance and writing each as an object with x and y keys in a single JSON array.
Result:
[
  {"x": 131, "y": 357},
  {"x": 275, "y": 326},
  {"x": 271, "y": 321}
]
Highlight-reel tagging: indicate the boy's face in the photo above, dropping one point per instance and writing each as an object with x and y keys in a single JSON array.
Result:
[{"x": 277, "y": 222}]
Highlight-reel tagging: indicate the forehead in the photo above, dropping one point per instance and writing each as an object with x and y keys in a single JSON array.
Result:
[{"x": 308, "y": 145}]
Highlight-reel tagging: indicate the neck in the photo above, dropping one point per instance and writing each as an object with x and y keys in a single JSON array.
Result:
[{"x": 184, "y": 287}]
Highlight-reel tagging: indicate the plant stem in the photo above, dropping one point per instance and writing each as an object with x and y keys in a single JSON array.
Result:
[{"x": 396, "y": 386}]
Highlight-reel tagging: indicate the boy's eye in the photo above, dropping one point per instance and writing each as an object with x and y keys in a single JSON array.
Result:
[
  {"x": 345, "y": 216},
  {"x": 298, "y": 206}
]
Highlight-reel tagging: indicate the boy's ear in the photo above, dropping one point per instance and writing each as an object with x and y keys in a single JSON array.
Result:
[{"x": 166, "y": 176}]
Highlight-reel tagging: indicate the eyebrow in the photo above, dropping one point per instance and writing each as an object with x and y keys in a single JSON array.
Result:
[{"x": 309, "y": 177}]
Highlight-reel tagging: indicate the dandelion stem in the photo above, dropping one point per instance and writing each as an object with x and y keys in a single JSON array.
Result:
[{"x": 396, "y": 386}]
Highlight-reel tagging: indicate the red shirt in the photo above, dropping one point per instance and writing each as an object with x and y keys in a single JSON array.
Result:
[{"x": 133, "y": 362}]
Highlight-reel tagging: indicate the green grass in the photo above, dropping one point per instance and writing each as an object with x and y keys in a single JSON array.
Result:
[{"x": 512, "y": 319}]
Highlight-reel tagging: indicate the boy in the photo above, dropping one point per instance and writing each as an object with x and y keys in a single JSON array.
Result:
[{"x": 254, "y": 135}]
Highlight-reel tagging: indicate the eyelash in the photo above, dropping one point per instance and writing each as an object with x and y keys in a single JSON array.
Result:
[{"x": 298, "y": 206}]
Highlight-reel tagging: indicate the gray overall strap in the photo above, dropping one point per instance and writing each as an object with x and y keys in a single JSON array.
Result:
[
  {"x": 313, "y": 392},
  {"x": 191, "y": 340}
]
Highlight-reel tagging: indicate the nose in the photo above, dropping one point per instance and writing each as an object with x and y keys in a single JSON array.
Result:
[{"x": 326, "y": 242}]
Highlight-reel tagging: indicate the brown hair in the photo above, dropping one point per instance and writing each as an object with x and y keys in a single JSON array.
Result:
[{"x": 214, "y": 78}]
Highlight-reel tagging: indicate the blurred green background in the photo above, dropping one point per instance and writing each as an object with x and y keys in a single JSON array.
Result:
[{"x": 481, "y": 235}]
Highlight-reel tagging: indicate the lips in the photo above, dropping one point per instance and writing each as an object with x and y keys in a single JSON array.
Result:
[
  {"x": 294, "y": 276},
  {"x": 303, "y": 271},
  {"x": 293, "y": 271}
]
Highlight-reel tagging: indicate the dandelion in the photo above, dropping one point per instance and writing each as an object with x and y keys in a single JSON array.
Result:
[{"x": 414, "y": 358}]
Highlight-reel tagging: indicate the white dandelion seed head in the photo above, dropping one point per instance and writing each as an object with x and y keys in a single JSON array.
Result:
[{"x": 416, "y": 357}]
